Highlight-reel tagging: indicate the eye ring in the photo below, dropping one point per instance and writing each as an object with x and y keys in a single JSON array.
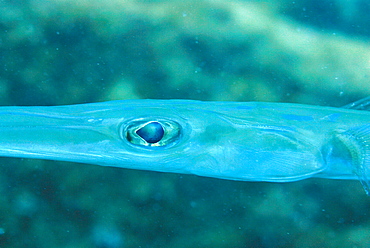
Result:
[{"x": 151, "y": 133}]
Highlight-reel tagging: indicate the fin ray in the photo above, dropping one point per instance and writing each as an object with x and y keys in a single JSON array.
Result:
[{"x": 362, "y": 104}]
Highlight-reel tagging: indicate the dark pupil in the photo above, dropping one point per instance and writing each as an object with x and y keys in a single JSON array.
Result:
[{"x": 151, "y": 133}]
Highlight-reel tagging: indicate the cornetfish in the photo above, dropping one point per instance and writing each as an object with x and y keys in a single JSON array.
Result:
[{"x": 248, "y": 141}]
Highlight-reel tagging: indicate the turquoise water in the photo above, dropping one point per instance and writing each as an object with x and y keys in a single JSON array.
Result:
[{"x": 67, "y": 52}]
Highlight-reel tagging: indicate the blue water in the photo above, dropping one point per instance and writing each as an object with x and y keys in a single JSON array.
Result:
[{"x": 67, "y": 52}]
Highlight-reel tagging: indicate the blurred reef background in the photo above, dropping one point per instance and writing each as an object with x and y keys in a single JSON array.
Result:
[{"x": 67, "y": 52}]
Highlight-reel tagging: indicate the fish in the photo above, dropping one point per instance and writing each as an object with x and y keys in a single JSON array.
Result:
[{"x": 244, "y": 141}]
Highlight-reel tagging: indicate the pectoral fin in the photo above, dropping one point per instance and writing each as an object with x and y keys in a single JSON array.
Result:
[{"x": 357, "y": 142}]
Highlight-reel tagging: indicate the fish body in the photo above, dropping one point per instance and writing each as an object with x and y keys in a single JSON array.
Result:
[{"x": 253, "y": 141}]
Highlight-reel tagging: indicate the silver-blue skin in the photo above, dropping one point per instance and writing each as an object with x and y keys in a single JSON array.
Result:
[{"x": 255, "y": 141}]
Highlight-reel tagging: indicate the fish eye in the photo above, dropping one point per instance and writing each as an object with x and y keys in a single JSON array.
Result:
[
  {"x": 157, "y": 133},
  {"x": 152, "y": 132}
]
